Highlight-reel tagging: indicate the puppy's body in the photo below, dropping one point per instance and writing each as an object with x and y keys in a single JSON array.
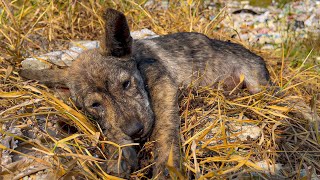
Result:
[
  {"x": 191, "y": 56},
  {"x": 177, "y": 59},
  {"x": 131, "y": 87}
]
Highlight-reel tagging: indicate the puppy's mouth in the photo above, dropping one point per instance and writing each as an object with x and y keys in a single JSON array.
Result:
[{"x": 141, "y": 136}]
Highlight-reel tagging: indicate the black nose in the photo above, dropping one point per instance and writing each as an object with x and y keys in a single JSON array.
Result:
[{"x": 137, "y": 131}]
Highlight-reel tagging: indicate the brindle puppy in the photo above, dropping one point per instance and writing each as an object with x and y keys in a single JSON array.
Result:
[{"x": 131, "y": 86}]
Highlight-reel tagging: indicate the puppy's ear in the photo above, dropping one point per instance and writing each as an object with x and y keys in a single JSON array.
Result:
[
  {"x": 116, "y": 40},
  {"x": 49, "y": 77}
]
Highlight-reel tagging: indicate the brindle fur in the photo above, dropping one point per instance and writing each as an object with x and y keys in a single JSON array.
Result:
[{"x": 131, "y": 86}]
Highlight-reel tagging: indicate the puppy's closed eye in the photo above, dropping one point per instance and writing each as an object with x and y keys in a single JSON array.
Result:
[
  {"x": 126, "y": 85},
  {"x": 95, "y": 105}
]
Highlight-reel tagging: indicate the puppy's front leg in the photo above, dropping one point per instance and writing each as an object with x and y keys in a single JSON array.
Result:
[{"x": 163, "y": 94}]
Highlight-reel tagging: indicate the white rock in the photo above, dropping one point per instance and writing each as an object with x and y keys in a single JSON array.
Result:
[
  {"x": 243, "y": 131},
  {"x": 263, "y": 17},
  {"x": 76, "y": 49},
  {"x": 244, "y": 37},
  {"x": 309, "y": 21},
  {"x": 318, "y": 60},
  {"x": 269, "y": 168},
  {"x": 54, "y": 58},
  {"x": 53, "y": 54},
  {"x": 143, "y": 34},
  {"x": 263, "y": 40},
  {"x": 68, "y": 56},
  {"x": 33, "y": 63},
  {"x": 84, "y": 45},
  {"x": 251, "y": 131},
  {"x": 267, "y": 47},
  {"x": 149, "y": 3}
]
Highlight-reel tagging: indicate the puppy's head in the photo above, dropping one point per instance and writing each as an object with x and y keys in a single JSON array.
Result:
[{"x": 106, "y": 83}]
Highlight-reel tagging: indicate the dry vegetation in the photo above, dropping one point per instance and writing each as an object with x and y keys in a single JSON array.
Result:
[{"x": 210, "y": 125}]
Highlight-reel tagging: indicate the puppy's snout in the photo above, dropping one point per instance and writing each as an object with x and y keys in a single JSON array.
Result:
[
  {"x": 137, "y": 131},
  {"x": 131, "y": 158}
]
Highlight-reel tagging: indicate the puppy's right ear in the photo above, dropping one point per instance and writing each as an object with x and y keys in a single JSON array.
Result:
[
  {"x": 49, "y": 77},
  {"x": 116, "y": 40}
]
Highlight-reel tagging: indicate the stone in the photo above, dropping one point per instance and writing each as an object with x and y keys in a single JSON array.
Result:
[
  {"x": 54, "y": 58},
  {"x": 84, "y": 45},
  {"x": 34, "y": 63},
  {"x": 268, "y": 47},
  {"x": 249, "y": 131},
  {"x": 244, "y": 37},
  {"x": 318, "y": 60},
  {"x": 69, "y": 56},
  {"x": 143, "y": 34},
  {"x": 269, "y": 168}
]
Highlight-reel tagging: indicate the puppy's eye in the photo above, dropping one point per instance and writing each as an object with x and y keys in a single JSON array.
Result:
[
  {"x": 95, "y": 105},
  {"x": 126, "y": 85}
]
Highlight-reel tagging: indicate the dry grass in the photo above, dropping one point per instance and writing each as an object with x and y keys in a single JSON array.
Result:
[{"x": 211, "y": 122}]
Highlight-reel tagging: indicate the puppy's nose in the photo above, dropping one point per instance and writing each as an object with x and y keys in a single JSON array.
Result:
[{"x": 138, "y": 131}]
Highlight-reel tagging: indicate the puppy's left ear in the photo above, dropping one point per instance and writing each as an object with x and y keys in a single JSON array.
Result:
[
  {"x": 49, "y": 77},
  {"x": 116, "y": 40}
]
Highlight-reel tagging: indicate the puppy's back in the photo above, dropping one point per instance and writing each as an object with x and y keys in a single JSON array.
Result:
[{"x": 186, "y": 56}]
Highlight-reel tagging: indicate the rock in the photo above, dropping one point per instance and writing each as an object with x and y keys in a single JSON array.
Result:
[
  {"x": 252, "y": 132},
  {"x": 318, "y": 60},
  {"x": 309, "y": 22},
  {"x": 69, "y": 55},
  {"x": 80, "y": 46},
  {"x": 243, "y": 131},
  {"x": 267, "y": 47},
  {"x": 263, "y": 17},
  {"x": 44, "y": 61},
  {"x": 54, "y": 58},
  {"x": 248, "y": 131},
  {"x": 244, "y": 37},
  {"x": 34, "y": 63},
  {"x": 143, "y": 34},
  {"x": 9, "y": 142},
  {"x": 269, "y": 168}
]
